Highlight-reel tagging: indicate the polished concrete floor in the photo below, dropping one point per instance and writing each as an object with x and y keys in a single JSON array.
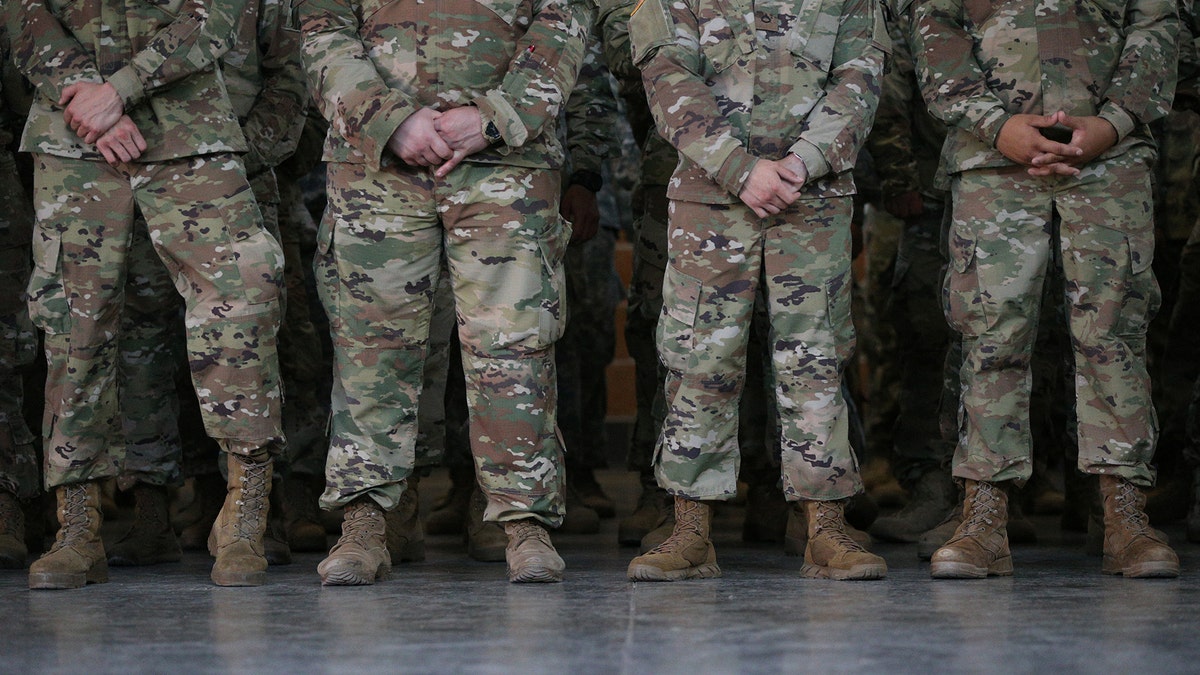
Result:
[{"x": 450, "y": 614}]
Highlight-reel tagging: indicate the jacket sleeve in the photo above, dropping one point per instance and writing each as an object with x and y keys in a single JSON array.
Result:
[
  {"x": 592, "y": 115},
  {"x": 350, "y": 92},
  {"x": 273, "y": 125},
  {"x": 952, "y": 82},
  {"x": 837, "y": 127},
  {"x": 202, "y": 31},
  {"x": 44, "y": 51},
  {"x": 1143, "y": 84},
  {"x": 891, "y": 139},
  {"x": 541, "y": 73},
  {"x": 666, "y": 46}
]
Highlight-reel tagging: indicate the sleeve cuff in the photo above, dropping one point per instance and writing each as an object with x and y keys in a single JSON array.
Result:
[
  {"x": 378, "y": 131},
  {"x": 735, "y": 170},
  {"x": 814, "y": 161},
  {"x": 128, "y": 86},
  {"x": 495, "y": 107},
  {"x": 1121, "y": 120},
  {"x": 988, "y": 129}
]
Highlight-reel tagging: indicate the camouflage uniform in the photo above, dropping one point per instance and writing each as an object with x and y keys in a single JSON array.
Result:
[
  {"x": 18, "y": 338},
  {"x": 203, "y": 221},
  {"x": 979, "y": 65},
  {"x": 727, "y": 88},
  {"x": 494, "y": 218}
]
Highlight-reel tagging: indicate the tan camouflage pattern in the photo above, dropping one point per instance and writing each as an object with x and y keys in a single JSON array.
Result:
[
  {"x": 1002, "y": 239},
  {"x": 380, "y": 252},
  {"x": 730, "y": 82},
  {"x": 719, "y": 257},
  {"x": 163, "y": 64},
  {"x": 982, "y": 62},
  {"x": 204, "y": 224},
  {"x": 372, "y": 63}
]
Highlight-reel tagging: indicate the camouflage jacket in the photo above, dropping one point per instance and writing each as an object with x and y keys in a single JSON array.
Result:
[
  {"x": 732, "y": 81},
  {"x": 906, "y": 140},
  {"x": 591, "y": 115},
  {"x": 372, "y": 63},
  {"x": 265, "y": 80},
  {"x": 161, "y": 58},
  {"x": 659, "y": 157},
  {"x": 982, "y": 61}
]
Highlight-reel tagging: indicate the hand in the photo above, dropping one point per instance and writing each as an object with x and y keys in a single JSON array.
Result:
[
  {"x": 1021, "y": 141},
  {"x": 793, "y": 163},
  {"x": 1092, "y": 135},
  {"x": 91, "y": 109},
  {"x": 579, "y": 206},
  {"x": 462, "y": 128},
  {"x": 905, "y": 204},
  {"x": 770, "y": 188},
  {"x": 417, "y": 143},
  {"x": 123, "y": 142}
]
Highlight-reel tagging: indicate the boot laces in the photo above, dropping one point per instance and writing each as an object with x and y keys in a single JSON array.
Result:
[
  {"x": 527, "y": 529},
  {"x": 74, "y": 515},
  {"x": 359, "y": 523},
  {"x": 689, "y": 520},
  {"x": 254, "y": 499},
  {"x": 985, "y": 509},
  {"x": 145, "y": 513},
  {"x": 831, "y": 522},
  {"x": 1128, "y": 499}
]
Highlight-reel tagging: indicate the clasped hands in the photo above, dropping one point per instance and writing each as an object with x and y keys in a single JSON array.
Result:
[
  {"x": 442, "y": 139},
  {"x": 1021, "y": 140},
  {"x": 96, "y": 113},
  {"x": 773, "y": 185}
]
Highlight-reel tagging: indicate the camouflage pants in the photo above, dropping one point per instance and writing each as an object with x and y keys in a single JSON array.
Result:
[
  {"x": 719, "y": 255},
  {"x": 1001, "y": 242},
  {"x": 922, "y": 338},
  {"x": 206, "y": 228},
  {"x": 18, "y": 339},
  {"x": 641, "y": 318},
  {"x": 380, "y": 252},
  {"x": 432, "y": 408}
]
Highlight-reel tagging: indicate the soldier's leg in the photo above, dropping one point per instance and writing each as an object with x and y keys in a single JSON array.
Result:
[
  {"x": 508, "y": 290},
  {"x": 758, "y": 437}
]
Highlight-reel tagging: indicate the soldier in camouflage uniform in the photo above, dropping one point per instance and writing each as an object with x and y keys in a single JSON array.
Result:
[
  {"x": 1007, "y": 79},
  {"x": 266, "y": 87},
  {"x": 139, "y": 119},
  {"x": 443, "y": 145},
  {"x": 19, "y": 476},
  {"x": 768, "y": 109}
]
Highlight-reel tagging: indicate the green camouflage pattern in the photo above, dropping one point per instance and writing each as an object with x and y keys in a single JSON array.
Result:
[
  {"x": 731, "y": 82},
  {"x": 205, "y": 226},
  {"x": 380, "y": 251},
  {"x": 982, "y": 62},
  {"x": 1002, "y": 239},
  {"x": 719, "y": 257},
  {"x": 163, "y": 64},
  {"x": 372, "y": 63}
]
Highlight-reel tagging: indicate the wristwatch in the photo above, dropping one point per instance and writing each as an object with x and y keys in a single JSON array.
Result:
[{"x": 490, "y": 131}]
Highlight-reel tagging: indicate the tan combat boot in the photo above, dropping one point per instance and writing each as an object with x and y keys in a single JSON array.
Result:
[
  {"x": 196, "y": 521},
  {"x": 795, "y": 537},
  {"x": 1131, "y": 546},
  {"x": 486, "y": 541},
  {"x": 236, "y": 540},
  {"x": 151, "y": 539},
  {"x": 932, "y": 495},
  {"x": 831, "y": 553},
  {"x": 77, "y": 557},
  {"x": 13, "y": 552},
  {"x": 530, "y": 556},
  {"x": 405, "y": 538},
  {"x": 360, "y": 556},
  {"x": 979, "y": 547},
  {"x": 686, "y": 554}
]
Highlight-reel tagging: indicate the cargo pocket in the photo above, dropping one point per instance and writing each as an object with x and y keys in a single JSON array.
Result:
[
  {"x": 326, "y": 274},
  {"x": 963, "y": 303},
  {"x": 258, "y": 256},
  {"x": 676, "y": 326},
  {"x": 48, "y": 306},
  {"x": 1143, "y": 296},
  {"x": 552, "y": 314}
]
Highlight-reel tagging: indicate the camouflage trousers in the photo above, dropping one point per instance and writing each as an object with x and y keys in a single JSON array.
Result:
[
  {"x": 205, "y": 226},
  {"x": 19, "y": 473},
  {"x": 922, "y": 338},
  {"x": 1002, "y": 238},
  {"x": 380, "y": 251},
  {"x": 719, "y": 256}
]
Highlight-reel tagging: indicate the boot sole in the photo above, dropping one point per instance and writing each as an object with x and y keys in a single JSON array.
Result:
[
  {"x": 960, "y": 570},
  {"x": 347, "y": 576},
  {"x": 857, "y": 573},
  {"x": 652, "y": 573},
  {"x": 237, "y": 579},
  {"x": 54, "y": 581},
  {"x": 1151, "y": 570},
  {"x": 535, "y": 575}
]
